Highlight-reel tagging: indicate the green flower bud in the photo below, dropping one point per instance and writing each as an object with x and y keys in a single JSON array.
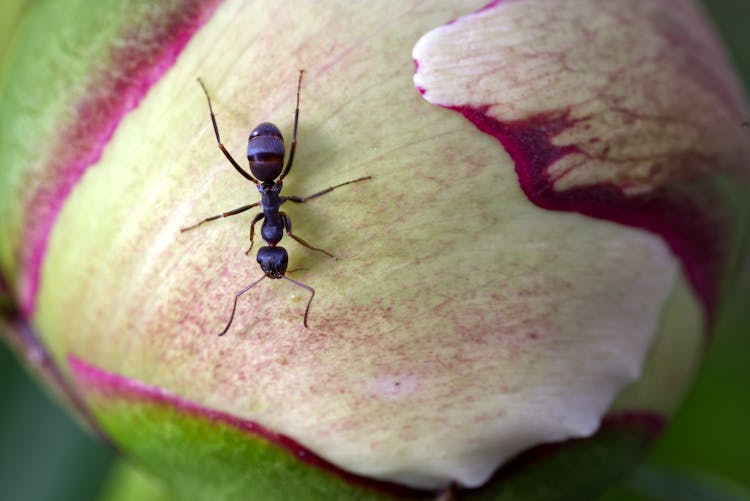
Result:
[{"x": 538, "y": 259}]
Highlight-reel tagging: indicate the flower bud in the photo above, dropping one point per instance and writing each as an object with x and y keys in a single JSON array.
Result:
[{"x": 529, "y": 277}]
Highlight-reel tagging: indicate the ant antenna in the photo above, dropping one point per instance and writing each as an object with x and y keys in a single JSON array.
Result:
[
  {"x": 294, "y": 131},
  {"x": 236, "y": 297},
  {"x": 308, "y": 289},
  {"x": 240, "y": 293}
]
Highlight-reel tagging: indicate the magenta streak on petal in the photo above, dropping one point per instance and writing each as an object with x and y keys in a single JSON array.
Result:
[
  {"x": 489, "y": 6},
  {"x": 92, "y": 377},
  {"x": 675, "y": 213},
  {"x": 151, "y": 49},
  {"x": 421, "y": 89}
]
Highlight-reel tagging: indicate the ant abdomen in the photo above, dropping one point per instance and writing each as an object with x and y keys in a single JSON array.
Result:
[{"x": 265, "y": 152}]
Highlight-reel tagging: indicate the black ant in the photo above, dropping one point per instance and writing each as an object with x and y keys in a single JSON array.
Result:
[{"x": 265, "y": 154}]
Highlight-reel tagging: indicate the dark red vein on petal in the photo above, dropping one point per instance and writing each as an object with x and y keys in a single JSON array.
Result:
[
  {"x": 687, "y": 215},
  {"x": 89, "y": 377},
  {"x": 138, "y": 58}
]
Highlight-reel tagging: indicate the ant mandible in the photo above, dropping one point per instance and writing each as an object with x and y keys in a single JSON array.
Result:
[{"x": 265, "y": 154}]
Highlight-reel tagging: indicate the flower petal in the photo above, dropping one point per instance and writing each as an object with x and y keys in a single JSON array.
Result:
[{"x": 626, "y": 115}]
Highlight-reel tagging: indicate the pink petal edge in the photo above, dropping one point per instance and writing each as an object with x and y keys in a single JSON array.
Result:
[{"x": 95, "y": 120}]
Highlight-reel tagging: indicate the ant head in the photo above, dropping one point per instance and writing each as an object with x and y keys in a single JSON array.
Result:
[
  {"x": 265, "y": 152},
  {"x": 273, "y": 261}
]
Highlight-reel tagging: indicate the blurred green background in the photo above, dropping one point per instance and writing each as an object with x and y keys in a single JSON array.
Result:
[{"x": 704, "y": 455}]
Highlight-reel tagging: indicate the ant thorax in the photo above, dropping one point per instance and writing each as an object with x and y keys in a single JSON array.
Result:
[{"x": 269, "y": 195}]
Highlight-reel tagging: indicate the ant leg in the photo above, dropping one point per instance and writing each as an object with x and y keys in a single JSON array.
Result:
[
  {"x": 288, "y": 226},
  {"x": 257, "y": 218},
  {"x": 234, "y": 307},
  {"x": 219, "y": 216},
  {"x": 301, "y": 200},
  {"x": 309, "y": 301},
  {"x": 288, "y": 165},
  {"x": 218, "y": 139}
]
